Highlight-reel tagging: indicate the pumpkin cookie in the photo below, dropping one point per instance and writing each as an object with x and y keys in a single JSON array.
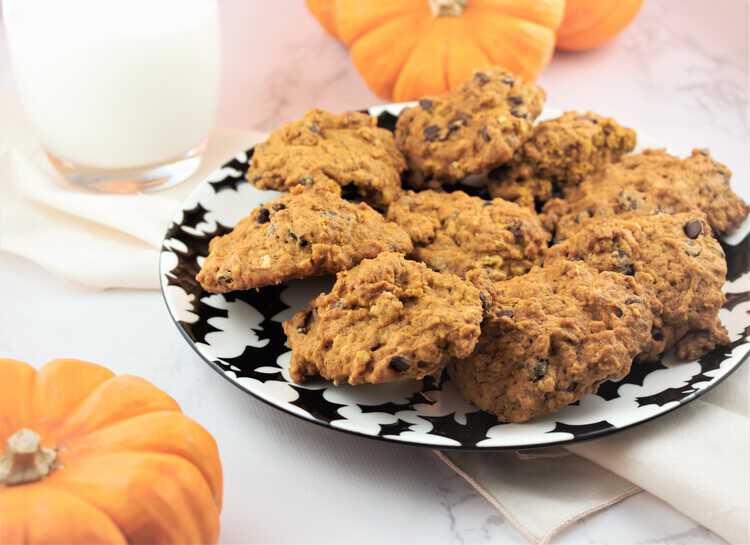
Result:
[
  {"x": 467, "y": 131},
  {"x": 309, "y": 232},
  {"x": 457, "y": 233},
  {"x": 675, "y": 257},
  {"x": 651, "y": 182},
  {"x": 348, "y": 149},
  {"x": 551, "y": 337},
  {"x": 385, "y": 320},
  {"x": 559, "y": 154}
]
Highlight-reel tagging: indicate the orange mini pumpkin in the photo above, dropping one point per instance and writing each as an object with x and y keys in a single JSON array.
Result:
[
  {"x": 91, "y": 457},
  {"x": 590, "y": 23},
  {"x": 406, "y": 49}
]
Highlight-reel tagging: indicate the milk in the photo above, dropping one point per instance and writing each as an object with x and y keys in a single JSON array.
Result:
[{"x": 115, "y": 84}]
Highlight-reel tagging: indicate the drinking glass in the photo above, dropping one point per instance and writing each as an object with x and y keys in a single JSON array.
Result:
[{"x": 122, "y": 92}]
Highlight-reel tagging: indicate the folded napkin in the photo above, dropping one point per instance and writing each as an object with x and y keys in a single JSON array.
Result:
[{"x": 696, "y": 459}]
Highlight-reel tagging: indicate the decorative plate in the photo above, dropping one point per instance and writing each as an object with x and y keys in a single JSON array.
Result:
[{"x": 240, "y": 336}]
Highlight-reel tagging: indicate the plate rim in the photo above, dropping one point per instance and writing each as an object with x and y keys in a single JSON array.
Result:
[
  {"x": 193, "y": 196},
  {"x": 590, "y": 436}
]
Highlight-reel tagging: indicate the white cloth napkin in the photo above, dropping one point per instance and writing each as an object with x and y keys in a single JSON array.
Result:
[{"x": 696, "y": 459}]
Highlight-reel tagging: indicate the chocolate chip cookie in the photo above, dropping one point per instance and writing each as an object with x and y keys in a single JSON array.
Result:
[
  {"x": 552, "y": 336},
  {"x": 560, "y": 153},
  {"x": 677, "y": 259},
  {"x": 386, "y": 319},
  {"x": 308, "y": 232},
  {"x": 651, "y": 182},
  {"x": 348, "y": 149},
  {"x": 457, "y": 233},
  {"x": 475, "y": 128}
]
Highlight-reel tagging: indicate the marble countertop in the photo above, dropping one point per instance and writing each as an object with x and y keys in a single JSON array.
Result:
[
  {"x": 286, "y": 481},
  {"x": 679, "y": 74}
]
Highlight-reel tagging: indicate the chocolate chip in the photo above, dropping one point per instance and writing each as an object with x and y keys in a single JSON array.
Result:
[
  {"x": 481, "y": 78},
  {"x": 305, "y": 327},
  {"x": 693, "y": 228},
  {"x": 431, "y": 133},
  {"x": 575, "y": 147},
  {"x": 626, "y": 267},
  {"x": 314, "y": 127},
  {"x": 264, "y": 215},
  {"x": 515, "y": 100},
  {"x": 506, "y": 312},
  {"x": 656, "y": 334},
  {"x": 508, "y": 79},
  {"x": 628, "y": 201},
  {"x": 426, "y": 104},
  {"x": 516, "y": 228},
  {"x": 306, "y": 181},
  {"x": 518, "y": 112},
  {"x": 278, "y": 206},
  {"x": 224, "y": 278},
  {"x": 618, "y": 312},
  {"x": 484, "y": 300},
  {"x": 572, "y": 387},
  {"x": 398, "y": 364},
  {"x": 633, "y": 301},
  {"x": 539, "y": 370},
  {"x": 484, "y": 133},
  {"x": 303, "y": 242}
]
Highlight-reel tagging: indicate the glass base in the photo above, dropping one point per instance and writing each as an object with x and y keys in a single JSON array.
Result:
[{"x": 130, "y": 180}]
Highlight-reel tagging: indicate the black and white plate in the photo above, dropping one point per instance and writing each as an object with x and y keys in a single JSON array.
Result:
[{"x": 240, "y": 336}]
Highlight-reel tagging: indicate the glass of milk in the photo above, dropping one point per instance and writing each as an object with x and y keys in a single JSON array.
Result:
[{"x": 122, "y": 92}]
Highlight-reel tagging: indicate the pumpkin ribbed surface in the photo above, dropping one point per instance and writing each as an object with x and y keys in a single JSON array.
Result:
[
  {"x": 120, "y": 462},
  {"x": 406, "y": 49}
]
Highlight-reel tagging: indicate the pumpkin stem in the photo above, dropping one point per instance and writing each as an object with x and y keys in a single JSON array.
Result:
[
  {"x": 24, "y": 459},
  {"x": 447, "y": 8}
]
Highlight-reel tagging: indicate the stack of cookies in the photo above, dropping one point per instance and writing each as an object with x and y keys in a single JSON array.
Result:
[{"x": 579, "y": 260}]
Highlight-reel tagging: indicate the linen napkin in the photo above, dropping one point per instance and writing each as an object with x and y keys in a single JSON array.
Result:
[{"x": 695, "y": 459}]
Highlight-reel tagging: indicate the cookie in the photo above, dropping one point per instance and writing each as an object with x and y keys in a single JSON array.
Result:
[
  {"x": 475, "y": 128},
  {"x": 387, "y": 319},
  {"x": 551, "y": 337},
  {"x": 560, "y": 154},
  {"x": 308, "y": 232},
  {"x": 348, "y": 149},
  {"x": 456, "y": 233},
  {"x": 651, "y": 182},
  {"x": 677, "y": 259}
]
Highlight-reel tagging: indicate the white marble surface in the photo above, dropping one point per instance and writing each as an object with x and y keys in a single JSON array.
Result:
[
  {"x": 287, "y": 481},
  {"x": 679, "y": 74}
]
